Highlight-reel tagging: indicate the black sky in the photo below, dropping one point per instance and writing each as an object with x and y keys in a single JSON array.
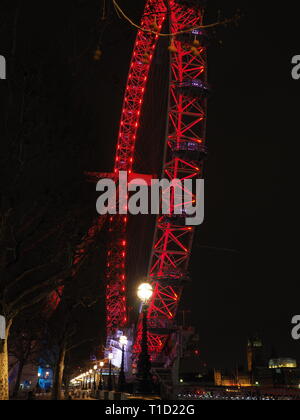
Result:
[{"x": 244, "y": 265}]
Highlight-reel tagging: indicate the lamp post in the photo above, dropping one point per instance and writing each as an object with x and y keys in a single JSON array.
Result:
[
  {"x": 94, "y": 383},
  {"x": 84, "y": 381},
  {"x": 110, "y": 386},
  {"x": 145, "y": 292},
  {"x": 86, "y": 387},
  {"x": 122, "y": 380},
  {"x": 38, "y": 382},
  {"x": 90, "y": 378},
  {"x": 100, "y": 386}
]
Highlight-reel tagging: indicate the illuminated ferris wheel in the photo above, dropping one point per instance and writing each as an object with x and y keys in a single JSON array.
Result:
[{"x": 183, "y": 158}]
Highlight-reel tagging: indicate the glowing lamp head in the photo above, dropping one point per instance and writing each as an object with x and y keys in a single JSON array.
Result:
[
  {"x": 145, "y": 292},
  {"x": 123, "y": 340},
  {"x": 110, "y": 356},
  {"x": 101, "y": 364},
  {"x": 95, "y": 367},
  {"x": 91, "y": 371}
]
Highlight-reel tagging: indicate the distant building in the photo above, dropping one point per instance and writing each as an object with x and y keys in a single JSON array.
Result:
[
  {"x": 283, "y": 363},
  {"x": 255, "y": 354},
  {"x": 234, "y": 379},
  {"x": 114, "y": 347},
  {"x": 261, "y": 372},
  {"x": 285, "y": 372},
  {"x": 218, "y": 377}
]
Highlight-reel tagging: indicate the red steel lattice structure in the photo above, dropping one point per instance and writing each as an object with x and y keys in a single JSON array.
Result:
[
  {"x": 183, "y": 160},
  {"x": 186, "y": 132},
  {"x": 144, "y": 48}
]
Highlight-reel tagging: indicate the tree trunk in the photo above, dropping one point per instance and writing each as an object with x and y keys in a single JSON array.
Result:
[
  {"x": 4, "y": 388},
  {"x": 19, "y": 376},
  {"x": 59, "y": 373},
  {"x": 4, "y": 391}
]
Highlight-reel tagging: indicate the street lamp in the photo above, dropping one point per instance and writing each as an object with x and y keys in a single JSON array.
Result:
[
  {"x": 100, "y": 377},
  {"x": 38, "y": 382},
  {"x": 94, "y": 384},
  {"x": 90, "y": 378},
  {"x": 110, "y": 357},
  {"x": 145, "y": 292},
  {"x": 122, "y": 380}
]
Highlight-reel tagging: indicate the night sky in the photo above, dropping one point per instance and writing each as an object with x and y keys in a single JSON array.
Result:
[{"x": 244, "y": 265}]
